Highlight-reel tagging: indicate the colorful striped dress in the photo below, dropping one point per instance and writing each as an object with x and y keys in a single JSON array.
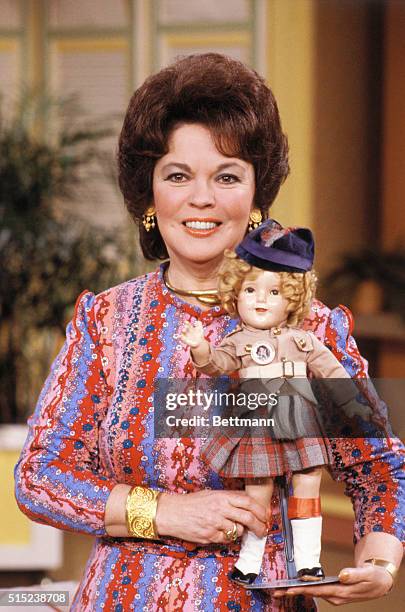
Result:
[{"x": 94, "y": 427}]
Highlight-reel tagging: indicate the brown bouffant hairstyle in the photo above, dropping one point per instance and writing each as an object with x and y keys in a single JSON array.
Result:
[
  {"x": 224, "y": 95},
  {"x": 297, "y": 287}
]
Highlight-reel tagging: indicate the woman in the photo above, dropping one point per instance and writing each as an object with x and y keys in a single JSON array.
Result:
[{"x": 201, "y": 155}]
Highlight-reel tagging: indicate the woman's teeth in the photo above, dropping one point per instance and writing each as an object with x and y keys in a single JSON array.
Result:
[{"x": 201, "y": 225}]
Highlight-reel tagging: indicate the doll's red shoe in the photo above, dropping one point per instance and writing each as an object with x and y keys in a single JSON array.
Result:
[{"x": 311, "y": 575}]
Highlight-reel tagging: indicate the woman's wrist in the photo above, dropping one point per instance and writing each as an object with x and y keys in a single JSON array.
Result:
[
  {"x": 162, "y": 521},
  {"x": 383, "y": 551},
  {"x": 387, "y": 566},
  {"x": 115, "y": 518},
  {"x": 140, "y": 513}
]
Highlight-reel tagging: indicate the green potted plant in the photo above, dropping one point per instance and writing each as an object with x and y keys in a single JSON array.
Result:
[{"x": 47, "y": 257}]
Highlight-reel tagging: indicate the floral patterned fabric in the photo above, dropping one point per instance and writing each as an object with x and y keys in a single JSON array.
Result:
[{"x": 94, "y": 427}]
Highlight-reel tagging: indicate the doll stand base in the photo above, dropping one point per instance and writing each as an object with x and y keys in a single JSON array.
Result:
[{"x": 287, "y": 583}]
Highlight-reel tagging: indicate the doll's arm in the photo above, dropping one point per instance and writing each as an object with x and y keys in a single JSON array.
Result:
[
  {"x": 322, "y": 362},
  {"x": 206, "y": 358},
  {"x": 193, "y": 336},
  {"x": 324, "y": 365}
]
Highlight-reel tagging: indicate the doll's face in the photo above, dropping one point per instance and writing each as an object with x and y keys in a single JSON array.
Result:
[{"x": 260, "y": 303}]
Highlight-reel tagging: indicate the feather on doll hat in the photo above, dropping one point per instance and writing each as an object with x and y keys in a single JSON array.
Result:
[{"x": 272, "y": 247}]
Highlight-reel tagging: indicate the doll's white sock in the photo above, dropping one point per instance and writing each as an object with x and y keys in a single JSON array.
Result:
[
  {"x": 251, "y": 553},
  {"x": 307, "y": 542}
]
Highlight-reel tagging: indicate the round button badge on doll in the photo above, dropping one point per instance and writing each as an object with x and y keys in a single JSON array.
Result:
[{"x": 262, "y": 353}]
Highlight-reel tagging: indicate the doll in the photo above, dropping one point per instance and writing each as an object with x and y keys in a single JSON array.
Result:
[{"x": 269, "y": 284}]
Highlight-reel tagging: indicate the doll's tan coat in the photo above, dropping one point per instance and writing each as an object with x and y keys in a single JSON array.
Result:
[{"x": 289, "y": 343}]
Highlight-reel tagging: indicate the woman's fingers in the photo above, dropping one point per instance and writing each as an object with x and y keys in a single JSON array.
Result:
[
  {"x": 356, "y": 584},
  {"x": 248, "y": 520},
  {"x": 238, "y": 507},
  {"x": 232, "y": 527},
  {"x": 240, "y": 499},
  {"x": 202, "y": 517},
  {"x": 377, "y": 578},
  {"x": 230, "y": 532}
]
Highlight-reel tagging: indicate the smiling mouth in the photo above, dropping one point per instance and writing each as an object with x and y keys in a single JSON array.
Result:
[
  {"x": 201, "y": 228},
  {"x": 261, "y": 309},
  {"x": 201, "y": 225}
]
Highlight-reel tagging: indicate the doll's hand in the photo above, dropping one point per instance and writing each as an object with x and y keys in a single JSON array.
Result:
[
  {"x": 192, "y": 335},
  {"x": 354, "y": 408}
]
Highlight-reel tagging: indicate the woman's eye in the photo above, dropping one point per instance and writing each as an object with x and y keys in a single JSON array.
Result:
[
  {"x": 176, "y": 177},
  {"x": 228, "y": 179}
]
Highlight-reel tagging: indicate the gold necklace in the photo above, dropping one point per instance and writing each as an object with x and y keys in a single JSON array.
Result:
[{"x": 207, "y": 296}]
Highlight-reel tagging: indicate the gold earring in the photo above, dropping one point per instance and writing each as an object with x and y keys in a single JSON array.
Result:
[
  {"x": 255, "y": 218},
  {"x": 148, "y": 218}
]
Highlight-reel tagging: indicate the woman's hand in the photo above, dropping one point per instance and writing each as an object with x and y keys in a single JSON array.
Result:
[
  {"x": 204, "y": 516},
  {"x": 356, "y": 584}
]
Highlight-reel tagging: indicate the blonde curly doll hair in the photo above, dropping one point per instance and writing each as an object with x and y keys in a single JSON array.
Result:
[{"x": 297, "y": 287}]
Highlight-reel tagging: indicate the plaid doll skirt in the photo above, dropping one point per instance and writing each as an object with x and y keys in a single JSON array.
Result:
[{"x": 253, "y": 455}]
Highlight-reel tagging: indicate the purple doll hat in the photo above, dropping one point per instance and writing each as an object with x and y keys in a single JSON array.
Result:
[{"x": 272, "y": 247}]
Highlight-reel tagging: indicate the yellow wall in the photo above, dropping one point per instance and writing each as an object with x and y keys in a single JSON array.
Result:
[
  {"x": 14, "y": 526},
  {"x": 291, "y": 49}
]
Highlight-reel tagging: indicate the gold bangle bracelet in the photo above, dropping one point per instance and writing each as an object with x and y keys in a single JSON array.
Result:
[
  {"x": 387, "y": 565},
  {"x": 140, "y": 513}
]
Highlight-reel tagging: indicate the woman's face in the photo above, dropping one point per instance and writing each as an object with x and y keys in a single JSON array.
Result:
[{"x": 202, "y": 198}]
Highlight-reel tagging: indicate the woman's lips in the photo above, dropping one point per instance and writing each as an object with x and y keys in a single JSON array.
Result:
[{"x": 201, "y": 228}]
